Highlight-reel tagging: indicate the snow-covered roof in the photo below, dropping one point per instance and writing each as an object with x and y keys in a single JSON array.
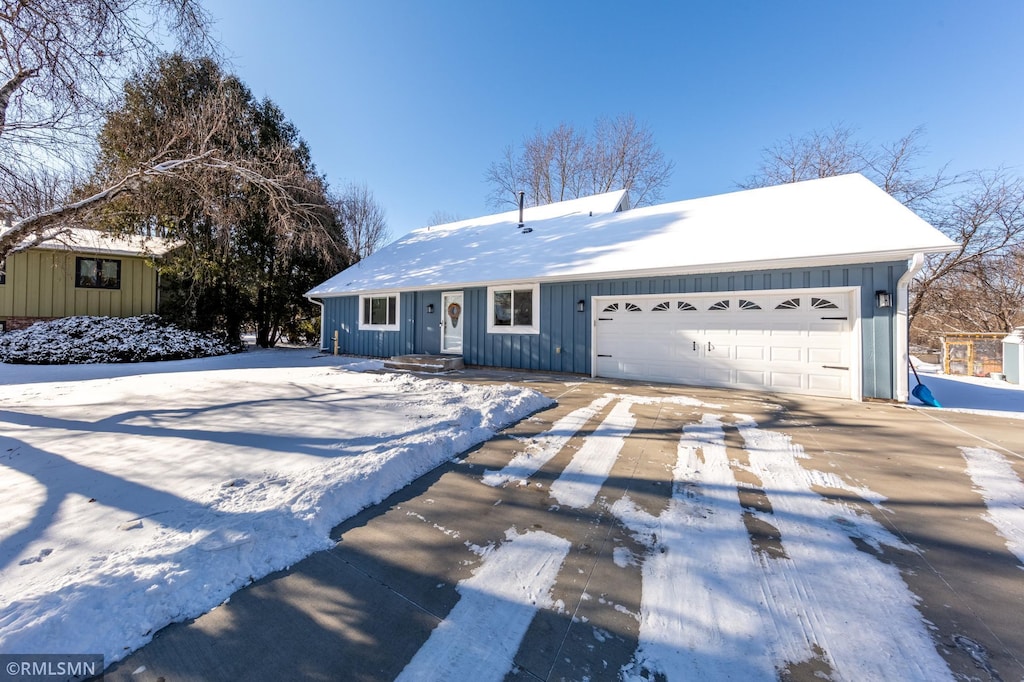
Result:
[
  {"x": 85, "y": 240},
  {"x": 843, "y": 219}
]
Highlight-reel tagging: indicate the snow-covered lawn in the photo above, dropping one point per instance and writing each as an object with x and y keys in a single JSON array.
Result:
[
  {"x": 976, "y": 395},
  {"x": 136, "y": 495},
  {"x": 139, "y": 495}
]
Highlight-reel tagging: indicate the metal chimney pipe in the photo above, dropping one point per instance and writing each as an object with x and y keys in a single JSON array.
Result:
[{"x": 522, "y": 196}]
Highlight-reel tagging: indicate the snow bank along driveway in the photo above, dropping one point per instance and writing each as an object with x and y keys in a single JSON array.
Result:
[{"x": 130, "y": 502}]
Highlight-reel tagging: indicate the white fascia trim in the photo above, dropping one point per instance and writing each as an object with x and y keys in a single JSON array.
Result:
[
  {"x": 846, "y": 289},
  {"x": 901, "y": 344},
  {"x": 716, "y": 268},
  {"x": 697, "y": 269}
]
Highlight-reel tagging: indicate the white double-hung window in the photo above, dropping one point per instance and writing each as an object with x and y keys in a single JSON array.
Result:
[
  {"x": 513, "y": 309},
  {"x": 379, "y": 312}
]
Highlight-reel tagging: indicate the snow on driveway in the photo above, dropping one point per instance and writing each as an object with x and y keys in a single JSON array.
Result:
[
  {"x": 479, "y": 639},
  {"x": 825, "y": 581},
  {"x": 716, "y": 604},
  {"x": 135, "y": 500},
  {"x": 542, "y": 448},
  {"x": 583, "y": 477},
  {"x": 995, "y": 479},
  {"x": 714, "y": 607}
]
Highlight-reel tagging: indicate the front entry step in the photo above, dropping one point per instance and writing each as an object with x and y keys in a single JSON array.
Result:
[{"x": 425, "y": 363}]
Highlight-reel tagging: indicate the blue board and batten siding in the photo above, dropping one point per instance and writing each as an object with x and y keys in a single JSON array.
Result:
[
  {"x": 420, "y": 334},
  {"x": 563, "y": 344}
]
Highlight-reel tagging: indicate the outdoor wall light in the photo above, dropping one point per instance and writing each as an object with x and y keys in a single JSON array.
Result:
[
  {"x": 581, "y": 305},
  {"x": 430, "y": 307},
  {"x": 883, "y": 299}
]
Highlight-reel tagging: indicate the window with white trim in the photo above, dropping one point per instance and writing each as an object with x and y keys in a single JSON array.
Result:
[
  {"x": 379, "y": 313},
  {"x": 513, "y": 309}
]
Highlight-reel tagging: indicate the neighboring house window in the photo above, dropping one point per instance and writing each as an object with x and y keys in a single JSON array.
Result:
[
  {"x": 379, "y": 312},
  {"x": 3, "y": 272},
  {"x": 513, "y": 309},
  {"x": 97, "y": 273}
]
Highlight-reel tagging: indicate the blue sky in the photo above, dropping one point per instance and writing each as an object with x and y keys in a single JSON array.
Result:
[{"x": 417, "y": 98}]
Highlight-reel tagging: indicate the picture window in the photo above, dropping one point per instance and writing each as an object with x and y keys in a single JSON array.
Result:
[
  {"x": 97, "y": 273},
  {"x": 379, "y": 313},
  {"x": 513, "y": 309}
]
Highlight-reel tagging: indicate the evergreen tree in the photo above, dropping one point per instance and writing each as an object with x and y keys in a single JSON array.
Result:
[{"x": 248, "y": 249}]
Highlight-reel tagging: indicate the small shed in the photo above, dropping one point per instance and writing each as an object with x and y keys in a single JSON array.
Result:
[
  {"x": 1013, "y": 356},
  {"x": 975, "y": 354}
]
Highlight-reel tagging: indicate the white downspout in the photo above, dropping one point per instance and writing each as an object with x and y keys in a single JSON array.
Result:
[
  {"x": 322, "y": 330},
  {"x": 902, "y": 345}
]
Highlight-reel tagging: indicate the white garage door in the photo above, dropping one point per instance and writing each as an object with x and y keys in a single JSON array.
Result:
[{"x": 792, "y": 342}]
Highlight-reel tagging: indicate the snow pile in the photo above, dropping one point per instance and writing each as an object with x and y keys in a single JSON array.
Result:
[
  {"x": 85, "y": 340},
  {"x": 156, "y": 496}
]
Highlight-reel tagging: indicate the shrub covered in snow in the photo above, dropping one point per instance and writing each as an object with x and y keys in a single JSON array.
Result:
[{"x": 82, "y": 340}]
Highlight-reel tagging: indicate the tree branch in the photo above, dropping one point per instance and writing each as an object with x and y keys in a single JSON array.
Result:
[{"x": 7, "y": 91}]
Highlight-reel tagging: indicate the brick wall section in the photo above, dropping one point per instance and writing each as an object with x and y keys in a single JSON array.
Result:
[{"x": 13, "y": 323}]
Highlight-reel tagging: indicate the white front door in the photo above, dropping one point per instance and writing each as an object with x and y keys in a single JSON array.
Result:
[{"x": 452, "y": 322}]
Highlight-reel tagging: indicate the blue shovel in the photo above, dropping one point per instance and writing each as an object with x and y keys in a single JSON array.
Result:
[{"x": 921, "y": 391}]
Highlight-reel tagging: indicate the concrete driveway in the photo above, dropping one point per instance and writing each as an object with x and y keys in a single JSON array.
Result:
[{"x": 411, "y": 583}]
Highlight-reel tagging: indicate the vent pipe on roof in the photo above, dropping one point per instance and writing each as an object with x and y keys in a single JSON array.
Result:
[{"x": 522, "y": 196}]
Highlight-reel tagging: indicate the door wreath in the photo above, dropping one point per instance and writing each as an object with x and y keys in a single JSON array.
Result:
[{"x": 454, "y": 310}]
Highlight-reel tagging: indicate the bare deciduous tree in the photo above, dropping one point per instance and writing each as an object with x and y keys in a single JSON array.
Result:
[
  {"x": 819, "y": 154},
  {"x": 978, "y": 286},
  {"x": 567, "y": 163},
  {"x": 985, "y": 296},
  {"x": 60, "y": 62},
  {"x": 440, "y": 217},
  {"x": 973, "y": 288},
  {"x": 363, "y": 219},
  {"x": 827, "y": 153}
]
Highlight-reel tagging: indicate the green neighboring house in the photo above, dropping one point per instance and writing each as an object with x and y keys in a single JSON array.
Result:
[{"x": 83, "y": 272}]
